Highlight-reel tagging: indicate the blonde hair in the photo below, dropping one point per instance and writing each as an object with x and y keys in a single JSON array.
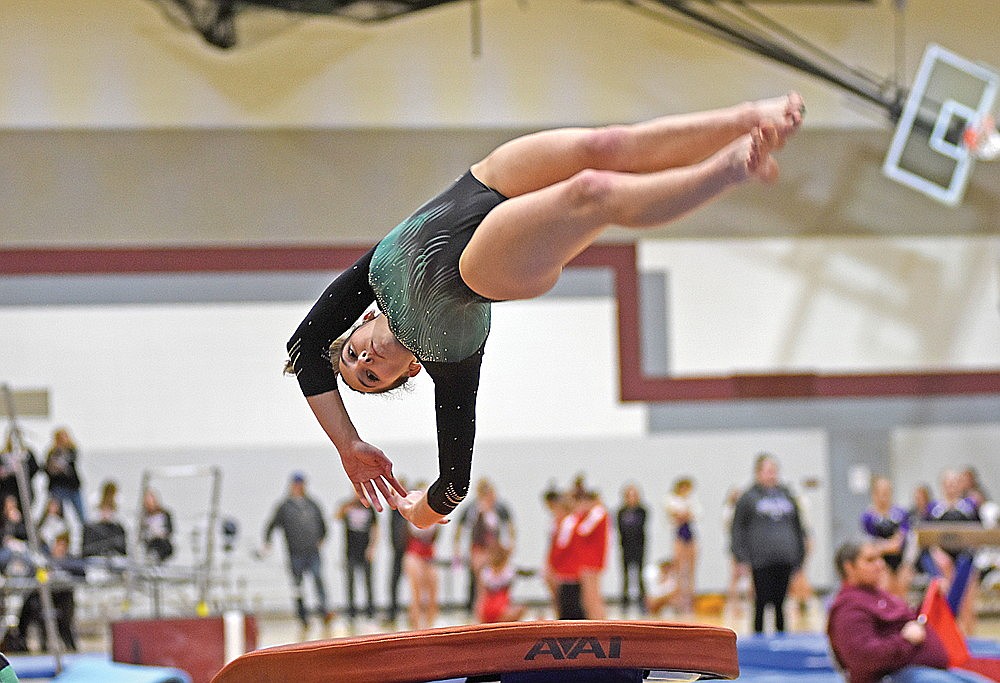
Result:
[{"x": 333, "y": 354}]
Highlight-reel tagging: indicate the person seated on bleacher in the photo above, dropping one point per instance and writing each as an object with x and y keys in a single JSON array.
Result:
[
  {"x": 14, "y": 556},
  {"x": 53, "y": 522},
  {"x": 877, "y": 636},
  {"x": 64, "y": 570},
  {"x": 156, "y": 529},
  {"x": 105, "y": 537}
]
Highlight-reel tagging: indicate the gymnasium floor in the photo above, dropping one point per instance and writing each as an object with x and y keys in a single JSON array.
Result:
[{"x": 280, "y": 629}]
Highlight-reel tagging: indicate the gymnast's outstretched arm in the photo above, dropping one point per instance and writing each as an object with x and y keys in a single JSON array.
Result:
[
  {"x": 366, "y": 465},
  {"x": 335, "y": 311}
]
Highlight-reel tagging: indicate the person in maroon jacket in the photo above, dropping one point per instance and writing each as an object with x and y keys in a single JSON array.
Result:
[{"x": 877, "y": 636}]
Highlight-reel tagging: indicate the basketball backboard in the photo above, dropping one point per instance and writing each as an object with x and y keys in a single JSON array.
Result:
[{"x": 949, "y": 92}]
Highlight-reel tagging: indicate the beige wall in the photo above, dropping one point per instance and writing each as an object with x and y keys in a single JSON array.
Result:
[
  {"x": 324, "y": 130},
  {"x": 108, "y": 63}
]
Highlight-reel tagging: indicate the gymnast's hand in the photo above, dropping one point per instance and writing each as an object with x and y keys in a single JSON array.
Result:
[
  {"x": 369, "y": 469},
  {"x": 414, "y": 509}
]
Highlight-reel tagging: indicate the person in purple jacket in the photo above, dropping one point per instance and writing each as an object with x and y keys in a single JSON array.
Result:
[
  {"x": 888, "y": 525},
  {"x": 877, "y": 636}
]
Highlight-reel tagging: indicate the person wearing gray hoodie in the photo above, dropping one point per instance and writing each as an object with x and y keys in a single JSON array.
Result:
[{"x": 769, "y": 537}]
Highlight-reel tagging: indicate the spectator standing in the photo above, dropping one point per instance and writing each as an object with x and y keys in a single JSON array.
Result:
[
  {"x": 919, "y": 510},
  {"x": 972, "y": 487},
  {"x": 800, "y": 589},
  {"x": 739, "y": 573},
  {"x": 360, "y": 539},
  {"x": 488, "y": 521},
  {"x": 922, "y": 500},
  {"x": 423, "y": 576},
  {"x": 301, "y": 521},
  {"x": 399, "y": 537},
  {"x": 768, "y": 536},
  {"x": 888, "y": 526},
  {"x": 564, "y": 566},
  {"x": 590, "y": 542},
  {"x": 61, "y": 469},
  {"x": 558, "y": 505},
  {"x": 631, "y": 518},
  {"x": 683, "y": 510},
  {"x": 955, "y": 506}
]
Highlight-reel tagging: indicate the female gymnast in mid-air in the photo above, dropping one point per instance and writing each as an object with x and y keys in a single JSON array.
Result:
[{"x": 504, "y": 230}]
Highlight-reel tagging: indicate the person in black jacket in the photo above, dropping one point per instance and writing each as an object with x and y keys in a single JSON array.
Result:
[
  {"x": 768, "y": 536},
  {"x": 8, "y": 472},
  {"x": 360, "y": 540},
  {"x": 65, "y": 570},
  {"x": 61, "y": 469},
  {"x": 399, "y": 537},
  {"x": 631, "y": 519},
  {"x": 301, "y": 520}
]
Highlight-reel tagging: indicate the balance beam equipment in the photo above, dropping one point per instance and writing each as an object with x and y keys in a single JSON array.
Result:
[{"x": 489, "y": 649}]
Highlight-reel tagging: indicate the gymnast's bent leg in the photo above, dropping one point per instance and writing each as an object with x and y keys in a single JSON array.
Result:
[
  {"x": 520, "y": 248},
  {"x": 541, "y": 159}
]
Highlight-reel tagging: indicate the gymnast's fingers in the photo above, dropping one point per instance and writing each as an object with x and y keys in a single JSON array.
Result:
[
  {"x": 387, "y": 492},
  {"x": 396, "y": 484},
  {"x": 360, "y": 493},
  {"x": 373, "y": 496}
]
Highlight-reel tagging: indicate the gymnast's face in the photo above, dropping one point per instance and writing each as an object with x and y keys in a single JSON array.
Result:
[{"x": 373, "y": 360}]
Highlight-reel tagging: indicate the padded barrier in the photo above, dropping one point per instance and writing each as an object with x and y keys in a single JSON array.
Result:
[{"x": 487, "y": 649}]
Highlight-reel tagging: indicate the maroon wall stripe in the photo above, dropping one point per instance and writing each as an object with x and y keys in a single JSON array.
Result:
[
  {"x": 620, "y": 258},
  {"x": 175, "y": 260}
]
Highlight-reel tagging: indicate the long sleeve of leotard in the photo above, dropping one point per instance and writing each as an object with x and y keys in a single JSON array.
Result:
[
  {"x": 455, "y": 388},
  {"x": 332, "y": 315},
  {"x": 455, "y": 384}
]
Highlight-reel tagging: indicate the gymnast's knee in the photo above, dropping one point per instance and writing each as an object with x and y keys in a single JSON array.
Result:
[
  {"x": 603, "y": 147},
  {"x": 589, "y": 189}
]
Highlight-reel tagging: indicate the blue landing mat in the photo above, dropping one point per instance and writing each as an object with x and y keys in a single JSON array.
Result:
[
  {"x": 92, "y": 668},
  {"x": 806, "y": 657}
]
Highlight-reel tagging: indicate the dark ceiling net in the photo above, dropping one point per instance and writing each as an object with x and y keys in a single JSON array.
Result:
[{"x": 222, "y": 22}]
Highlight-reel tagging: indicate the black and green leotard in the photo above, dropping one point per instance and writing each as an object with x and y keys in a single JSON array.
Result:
[{"x": 413, "y": 275}]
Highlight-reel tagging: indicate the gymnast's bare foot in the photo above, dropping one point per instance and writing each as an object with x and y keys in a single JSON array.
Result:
[
  {"x": 784, "y": 113},
  {"x": 750, "y": 155},
  {"x": 760, "y": 163}
]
